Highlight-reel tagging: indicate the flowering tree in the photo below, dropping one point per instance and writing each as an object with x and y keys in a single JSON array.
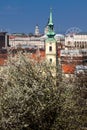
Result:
[{"x": 33, "y": 99}]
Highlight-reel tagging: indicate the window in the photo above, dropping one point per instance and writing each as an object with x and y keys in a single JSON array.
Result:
[
  {"x": 75, "y": 44},
  {"x": 69, "y": 43},
  {"x": 50, "y": 60},
  {"x": 50, "y": 48}
]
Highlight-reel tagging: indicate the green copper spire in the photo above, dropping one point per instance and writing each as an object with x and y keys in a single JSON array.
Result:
[
  {"x": 50, "y": 32},
  {"x": 50, "y": 20}
]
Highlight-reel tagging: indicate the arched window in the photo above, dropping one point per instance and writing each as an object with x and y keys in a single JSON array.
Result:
[
  {"x": 50, "y": 60},
  {"x": 50, "y": 48}
]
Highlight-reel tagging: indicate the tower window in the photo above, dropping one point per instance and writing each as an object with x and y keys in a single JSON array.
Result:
[
  {"x": 50, "y": 48},
  {"x": 50, "y": 60}
]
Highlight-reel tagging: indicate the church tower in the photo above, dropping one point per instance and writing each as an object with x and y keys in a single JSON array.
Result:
[
  {"x": 37, "y": 30},
  {"x": 51, "y": 44}
]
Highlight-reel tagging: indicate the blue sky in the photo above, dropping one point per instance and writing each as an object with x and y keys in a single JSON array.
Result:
[{"x": 23, "y": 15}]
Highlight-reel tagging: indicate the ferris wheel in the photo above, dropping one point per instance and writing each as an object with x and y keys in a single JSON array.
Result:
[{"x": 72, "y": 31}]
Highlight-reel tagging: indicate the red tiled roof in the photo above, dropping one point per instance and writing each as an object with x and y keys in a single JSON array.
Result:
[
  {"x": 38, "y": 56},
  {"x": 11, "y": 37},
  {"x": 3, "y": 58},
  {"x": 68, "y": 68}
]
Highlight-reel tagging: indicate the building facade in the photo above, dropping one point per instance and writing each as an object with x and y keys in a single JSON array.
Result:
[
  {"x": 26, "y": 41},
  {"x": 76, "y": 41},
  {"x": 4, "y": 40},
  {"x": 74, "y": 54}
]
